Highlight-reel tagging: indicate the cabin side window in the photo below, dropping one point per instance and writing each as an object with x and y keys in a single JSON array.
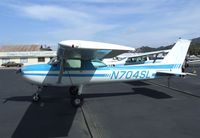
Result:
[
  {"x": 136, "y": 60},
  {"x": 73, "y": 63}
]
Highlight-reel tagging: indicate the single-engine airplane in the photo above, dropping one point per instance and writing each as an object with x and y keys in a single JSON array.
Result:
[{"x": 79, "y": 63}]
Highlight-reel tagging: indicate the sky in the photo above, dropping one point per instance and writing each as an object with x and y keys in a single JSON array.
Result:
[{"x": 132, "y": 23}]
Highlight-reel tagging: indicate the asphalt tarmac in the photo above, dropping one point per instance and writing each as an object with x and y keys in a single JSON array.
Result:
[{"x": 153, "y": 109}]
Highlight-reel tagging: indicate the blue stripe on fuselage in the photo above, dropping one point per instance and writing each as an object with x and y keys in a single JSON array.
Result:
[
  {"x": 65, "y": 75},
  {"x": 47, "y": 67}
]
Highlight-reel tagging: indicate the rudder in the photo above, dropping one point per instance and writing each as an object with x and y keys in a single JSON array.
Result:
[{"x": 178, "y": 53}]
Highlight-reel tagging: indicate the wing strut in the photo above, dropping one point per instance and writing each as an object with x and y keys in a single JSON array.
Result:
[{"x": 61, "y": 70}]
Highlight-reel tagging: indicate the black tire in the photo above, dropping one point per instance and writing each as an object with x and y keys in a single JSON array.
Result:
[
  {"x": 73, "y": 90},
  {"x": 77, "y": 101}
]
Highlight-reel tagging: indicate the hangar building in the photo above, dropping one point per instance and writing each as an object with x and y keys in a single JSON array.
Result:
[{"x": 26, "y": 54}]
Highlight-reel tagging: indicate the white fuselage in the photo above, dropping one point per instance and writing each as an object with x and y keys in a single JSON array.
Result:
[{"x": 48, "y": 75}]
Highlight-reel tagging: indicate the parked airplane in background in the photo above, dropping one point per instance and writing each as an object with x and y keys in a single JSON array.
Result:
[
  {"x": 136, "y": 58},
  {"x": 79, "y": 63}
]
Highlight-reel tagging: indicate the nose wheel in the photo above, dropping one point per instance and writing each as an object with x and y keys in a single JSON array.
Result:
[{"x": 36, "y": 96}]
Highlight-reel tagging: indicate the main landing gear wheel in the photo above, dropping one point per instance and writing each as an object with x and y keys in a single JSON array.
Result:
[
  {"x": 76, "y": 96},
  {"x": 77, "y": 101},
  {"x": 36, "y": 97}
]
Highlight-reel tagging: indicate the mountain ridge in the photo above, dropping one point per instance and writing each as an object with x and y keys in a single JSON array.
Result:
[{"x": 193, "y": 50}]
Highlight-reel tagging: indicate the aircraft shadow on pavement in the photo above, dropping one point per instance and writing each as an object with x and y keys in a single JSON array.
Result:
[
  {"x": 142, "y": 91},
  {"x": 151, "y": 93},
  {"x": 137, "y": 83},
  {"x": 52, "y": 117},
  {"x": 97, "y": 95}
]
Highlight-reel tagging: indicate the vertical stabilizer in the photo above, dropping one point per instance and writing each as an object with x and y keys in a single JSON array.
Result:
[{"x": 178, "y": 53}]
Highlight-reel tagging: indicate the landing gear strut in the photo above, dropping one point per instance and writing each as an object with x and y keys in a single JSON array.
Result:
[
  {"x": 73, "y": 90},
  {"x": 76, "y": 96},
  {"x": 36, "y": 96}
]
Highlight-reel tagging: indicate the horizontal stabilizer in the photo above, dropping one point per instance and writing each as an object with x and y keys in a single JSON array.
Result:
[
  {"x": 176, "y": 73},
  {"x": 193, "y": 61},
  {"x": 191, "y": 74}
]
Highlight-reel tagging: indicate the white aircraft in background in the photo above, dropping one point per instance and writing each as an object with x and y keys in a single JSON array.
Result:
[
  {"x": 192, "y": 59},
  {"x": 79, "y": 63},
  {"x": 136, "y": 58}
]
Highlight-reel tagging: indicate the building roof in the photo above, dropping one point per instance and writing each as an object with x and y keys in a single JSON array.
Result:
[{"x": 23, "y": 48}]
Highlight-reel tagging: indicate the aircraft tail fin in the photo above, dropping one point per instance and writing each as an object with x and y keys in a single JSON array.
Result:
[
  {"x": 178, "y": 53},
  {"x": 176, "y": 56}
]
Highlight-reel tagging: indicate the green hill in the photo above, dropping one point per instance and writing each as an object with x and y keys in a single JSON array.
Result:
[{"x": 193, "y": 50}]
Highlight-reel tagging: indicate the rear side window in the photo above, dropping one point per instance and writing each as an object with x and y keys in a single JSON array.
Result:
[{"x": 98, "y": 64}]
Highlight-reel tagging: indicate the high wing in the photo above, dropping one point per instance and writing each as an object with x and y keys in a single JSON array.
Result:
[{"x": 90, "y": 50}]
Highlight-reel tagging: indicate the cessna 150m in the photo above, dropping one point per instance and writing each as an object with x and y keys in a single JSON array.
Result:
[{"x": 79, "y": 63}]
